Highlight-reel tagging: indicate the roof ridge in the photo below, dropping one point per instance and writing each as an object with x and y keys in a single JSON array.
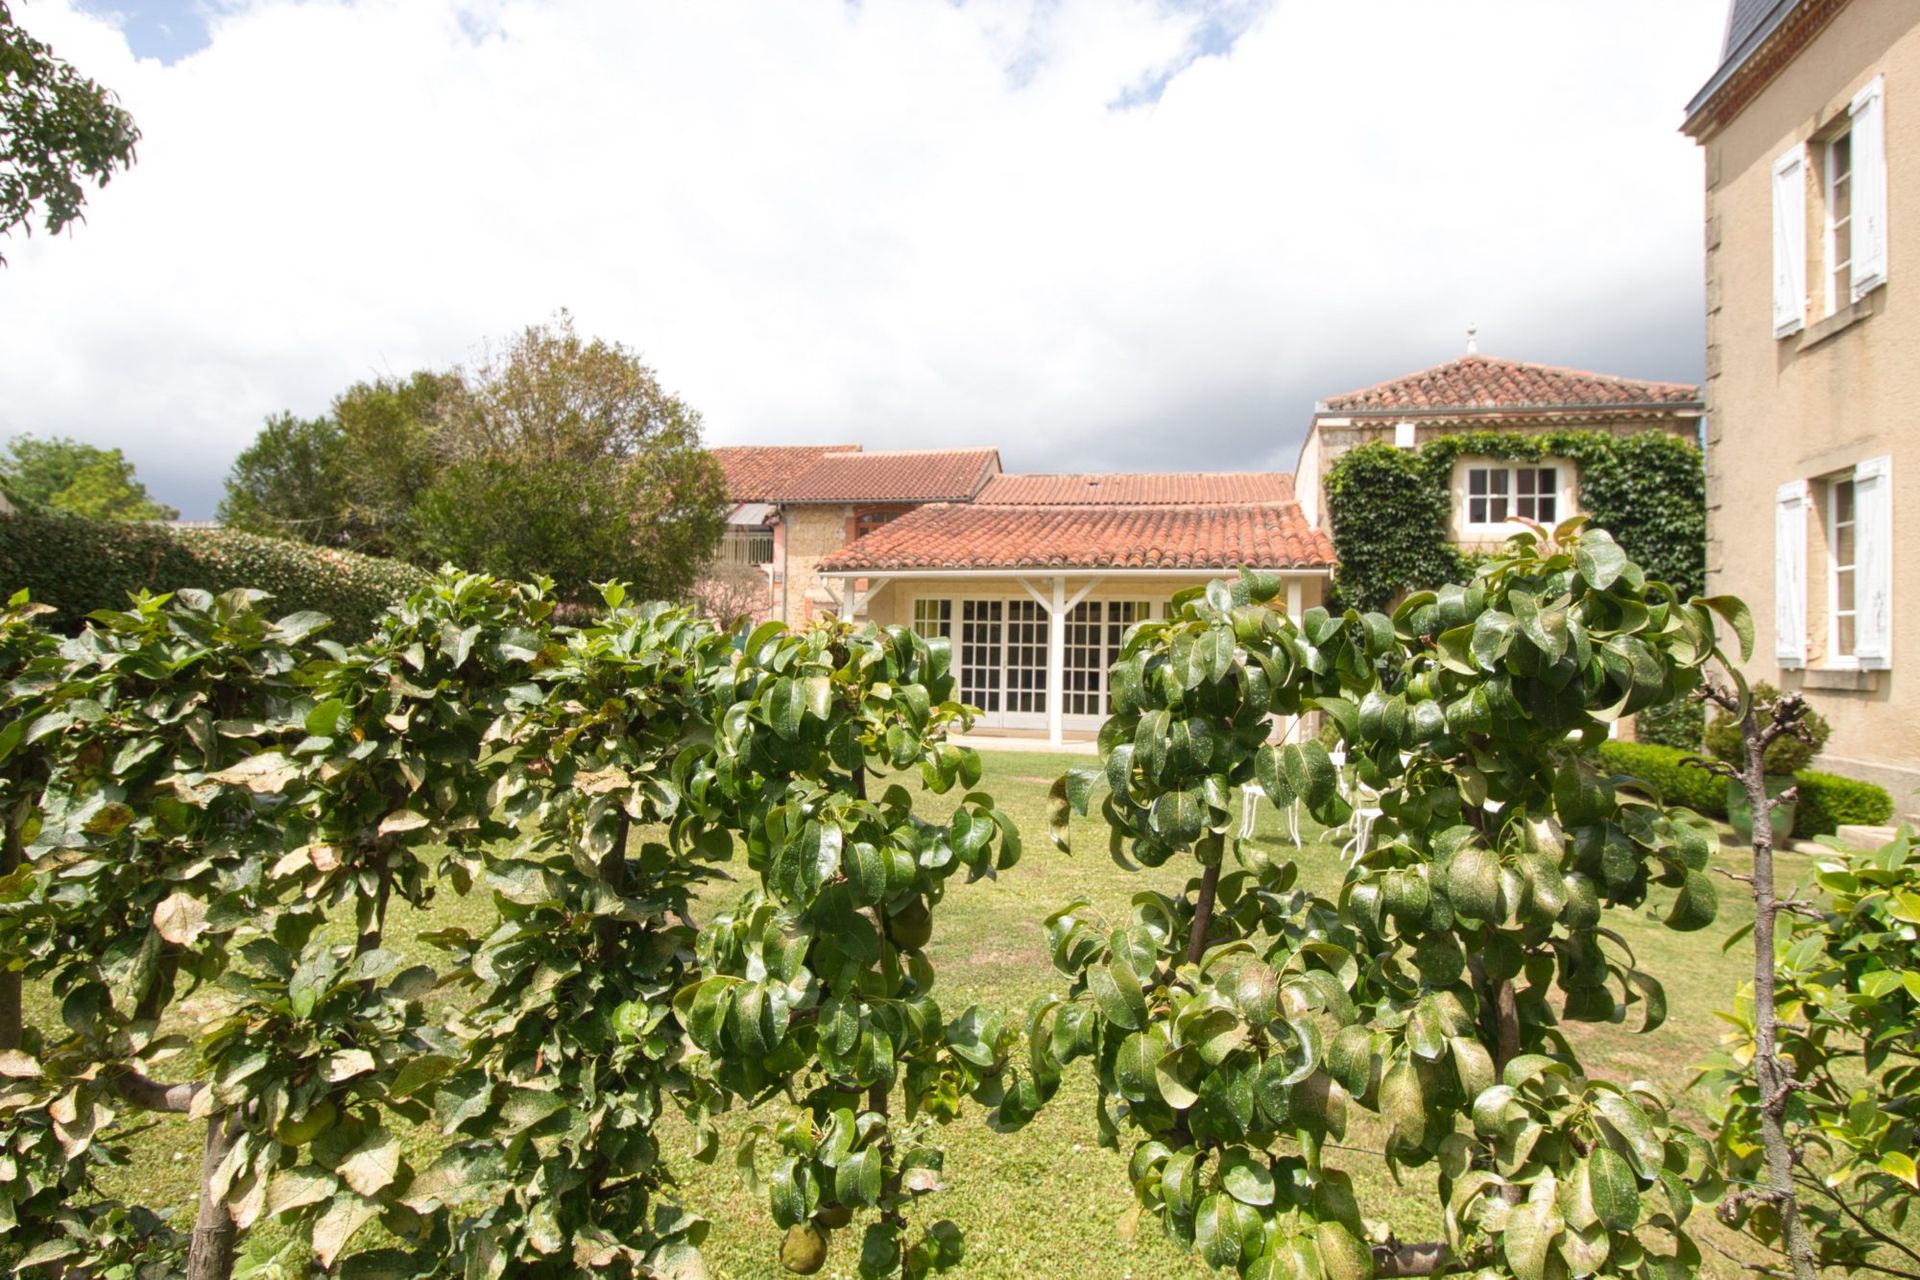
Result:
[
  {"x": 857, "y": 451},
  {"x": 1477, "y": 357}
]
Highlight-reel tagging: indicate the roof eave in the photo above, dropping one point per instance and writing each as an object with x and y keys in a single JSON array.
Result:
[
  {"x": 1678, "y": 408},
  {"x": 1002, "y": 571}
]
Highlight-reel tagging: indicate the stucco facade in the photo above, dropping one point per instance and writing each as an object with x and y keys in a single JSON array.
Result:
[{"x": 1794, "y": 417}]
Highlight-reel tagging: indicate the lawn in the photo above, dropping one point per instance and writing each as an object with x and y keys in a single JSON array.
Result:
[{"x": 1048, "y": 1201}]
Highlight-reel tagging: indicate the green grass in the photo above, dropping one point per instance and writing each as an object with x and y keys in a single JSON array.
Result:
[{"x": 1048, "y": 1201}]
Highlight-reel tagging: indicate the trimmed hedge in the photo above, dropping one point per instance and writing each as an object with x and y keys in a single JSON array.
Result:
[
  {"x": 1661, "y": 768},
  {"x": 1827, "y": 800},
  {"x": 78, "y": 566}
]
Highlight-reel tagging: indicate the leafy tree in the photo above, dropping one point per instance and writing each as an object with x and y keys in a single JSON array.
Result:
[
  {"x": 58, "y": 129},
  {"x": 351, "y": 478},
  {"x": 561, "y": 458},
  {"x": 77, "y": 478},
  {"x": 290, "y": 482},
  {"x": 1232, "y": 1028},
  {"x": 566, "y": 458}
]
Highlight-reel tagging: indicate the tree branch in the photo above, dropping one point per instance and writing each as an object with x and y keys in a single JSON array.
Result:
[
  {"x": 151, "y": 1095},
  {"x": 1424, "y": 1259}
]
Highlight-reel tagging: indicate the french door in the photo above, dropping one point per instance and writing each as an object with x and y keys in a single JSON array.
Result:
[{"x": 1000, "y": 655}]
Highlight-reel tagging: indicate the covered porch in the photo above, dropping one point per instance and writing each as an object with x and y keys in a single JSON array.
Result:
[{"x": 1032, "y": 649}]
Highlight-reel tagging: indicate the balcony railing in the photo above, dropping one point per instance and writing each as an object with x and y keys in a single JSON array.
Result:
[{"x": 747, "y": 546}]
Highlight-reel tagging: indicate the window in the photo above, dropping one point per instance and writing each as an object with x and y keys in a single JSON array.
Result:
[
  {"x": 1498, "y": 494},
  {"x": 1842, "y": 564},
  {"x": 1851, "y": 187},
  {"x": 933, "y": 619},
  {"x": 1839, "y": 221},
  {"x": 868, "y": 521},
  {"x": 747, "y": 544},
  {"x": 1856, "y": 509}
]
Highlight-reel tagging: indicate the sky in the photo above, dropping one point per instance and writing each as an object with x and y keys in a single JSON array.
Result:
[{"x": 1098, "y": 234}]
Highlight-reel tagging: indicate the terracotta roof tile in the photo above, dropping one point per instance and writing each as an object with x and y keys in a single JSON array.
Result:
[
  {"x": 900, "y": 475},
  {"x": 1147, "y": 488},
  {"x": 755, "y": 471},
  {"x": 984, "y": 536},
  {"x": 1480, "y": 383}
]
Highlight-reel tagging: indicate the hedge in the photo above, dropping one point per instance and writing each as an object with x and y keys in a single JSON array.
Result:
[
  {"x": 1681, "y": 723},
  {"x": 1661, "y": 768},
  {"x": 1827, "y": 800},
  {"x": 79, "y": 566}
]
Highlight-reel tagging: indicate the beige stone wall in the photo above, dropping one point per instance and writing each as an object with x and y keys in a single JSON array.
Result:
[
  {"x": 1845, "y": 389},
  {"x": 812, "y": 534}
]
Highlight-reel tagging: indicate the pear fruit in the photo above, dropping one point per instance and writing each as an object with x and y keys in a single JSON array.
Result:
[
  {"x": 804, "y": 1251},
  {"x": 911, "y": 927}
]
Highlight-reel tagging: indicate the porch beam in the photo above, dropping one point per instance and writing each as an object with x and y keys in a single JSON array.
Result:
[
  {"x": 1083, "y": 592},
  {"x": 1293, "y": 599},
  {"x": 1038, "y": 598},
  {"x": 1057, "y": 662}
]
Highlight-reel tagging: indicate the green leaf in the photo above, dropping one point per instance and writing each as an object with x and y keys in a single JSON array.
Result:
[
  {"x": 1734, "y": 610},
  {"x": 1695, "y": 905},
  {"x": 1528, "y": 1237},
  {"x": 1473, "y": 882},
  {"x": 1246, "y": 1179},
  {"x": 1616, "y": 1192},
  {"x": 1117, "y": 991},
  {"x": 1599, "y": 559}
]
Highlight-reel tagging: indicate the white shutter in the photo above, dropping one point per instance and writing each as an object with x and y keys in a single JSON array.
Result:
[
  {"x": 1873, "y": 562},
  {"x": 1789, "y": 242},
  {"x": 1790, "y": 574},
  {"x": 1868, "y": 134}
]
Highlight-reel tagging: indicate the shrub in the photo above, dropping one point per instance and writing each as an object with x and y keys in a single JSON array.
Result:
[
  {"x": 1663, "y": 769},
  {"x": 1829, "y": 802},
  {"x": 1682, "y": 724},
  {"x": 79, "y": 566},
  {"x": 1788, "y": 754}
]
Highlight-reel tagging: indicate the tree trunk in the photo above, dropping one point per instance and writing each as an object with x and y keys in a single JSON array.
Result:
[
  {"x": 10, "y": 1026},
  {"x": 1203, "y": 914},
  {"x": 1774, "y": 1079},
  {"x": 214, "y": 1233}
]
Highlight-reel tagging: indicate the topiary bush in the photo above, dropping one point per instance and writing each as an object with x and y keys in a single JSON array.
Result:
[
  {"x": 1829, "y": 802},
  {"x": 80, "y": 566},
  {"x": 1788, "y": 754}
]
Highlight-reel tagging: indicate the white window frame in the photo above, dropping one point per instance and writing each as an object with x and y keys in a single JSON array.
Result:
[
  {"x": 1002, "y": 717},
  {"x": 1563, "y": 492},
  {"x": 1829, "y": 253},
  {"x": 1838, "y": 658}
]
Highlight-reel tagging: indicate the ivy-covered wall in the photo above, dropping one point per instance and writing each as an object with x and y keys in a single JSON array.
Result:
[{"x": 1389, "y": 507}]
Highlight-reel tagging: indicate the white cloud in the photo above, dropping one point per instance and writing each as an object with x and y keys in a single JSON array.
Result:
[{"x": 898, "y": 221}]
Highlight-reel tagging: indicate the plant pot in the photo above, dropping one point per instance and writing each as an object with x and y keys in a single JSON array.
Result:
[{"x": 1740, "y": 816}]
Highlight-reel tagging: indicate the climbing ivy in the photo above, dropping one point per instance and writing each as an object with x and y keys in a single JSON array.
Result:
[{"x": 1390, "y": 508}]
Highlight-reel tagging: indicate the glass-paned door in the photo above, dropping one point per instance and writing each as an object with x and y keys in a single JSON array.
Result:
[
  {"x": 982, "y": 623},
  {"x": 1085, "y": 665},
  {"x": 1026, "y": 665}
]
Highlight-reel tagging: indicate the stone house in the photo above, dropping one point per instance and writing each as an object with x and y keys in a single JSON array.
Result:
[
  {"x": 1810, "y": 131},
  {"x": 1482, "y": 393}
]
